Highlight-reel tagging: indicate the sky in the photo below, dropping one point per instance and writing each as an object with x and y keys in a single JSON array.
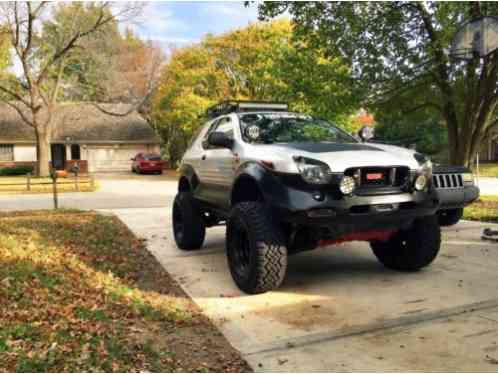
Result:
[
  {"x": 181, "y": 23},
  {"x": 185, "y": 22}
]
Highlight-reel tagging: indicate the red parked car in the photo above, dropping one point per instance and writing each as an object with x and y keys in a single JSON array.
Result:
[{"x": 147, "y": 163}]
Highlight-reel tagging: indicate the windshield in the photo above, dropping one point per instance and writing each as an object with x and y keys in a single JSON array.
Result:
[
  {"x": 152, "y": 157},
  {"x": 268, "y": 128}
]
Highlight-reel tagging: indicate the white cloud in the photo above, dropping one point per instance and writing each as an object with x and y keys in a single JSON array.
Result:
[
  {"x": 230, "y": 12},
  {"x": 157, "y": 22}
]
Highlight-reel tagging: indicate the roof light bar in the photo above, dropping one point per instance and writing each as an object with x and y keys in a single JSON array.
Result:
[{"x": 236, "y": 106}]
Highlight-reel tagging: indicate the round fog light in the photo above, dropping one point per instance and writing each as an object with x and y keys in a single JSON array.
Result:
[
  {"x": 347, "y": 185},
  {"x": 420, "y": 182}
]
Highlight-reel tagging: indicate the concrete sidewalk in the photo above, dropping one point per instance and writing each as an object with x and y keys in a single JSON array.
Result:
[
  {"x": 340, "y": 310},
  {"x": 488, "y": 186}
]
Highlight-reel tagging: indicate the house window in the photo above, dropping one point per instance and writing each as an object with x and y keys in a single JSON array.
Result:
[
  {"x": 75, "y": 152},
  {"x": 6, "y": 152}
]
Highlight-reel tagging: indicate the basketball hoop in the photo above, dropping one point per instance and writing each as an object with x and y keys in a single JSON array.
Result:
[{"x": 476, "y": 38}]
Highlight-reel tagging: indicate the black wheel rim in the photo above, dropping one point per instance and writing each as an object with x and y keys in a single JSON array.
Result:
[
  {"x": 178, "y": 222},
  {"x": 240, "y": 250}
]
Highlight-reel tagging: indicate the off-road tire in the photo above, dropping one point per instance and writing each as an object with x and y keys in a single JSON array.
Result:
[
  {"x": 412, "y": 249},
  {"x": 450, "y": 217},
  {"x": 263, "y": 264},
  {"x": 188, "y": 226}
]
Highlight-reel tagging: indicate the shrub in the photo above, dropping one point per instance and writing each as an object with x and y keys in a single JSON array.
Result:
[{"x": 16, "y": 170}]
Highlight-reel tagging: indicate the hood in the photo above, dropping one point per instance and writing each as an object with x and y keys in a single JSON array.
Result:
[{"x": 337, "y": 156}]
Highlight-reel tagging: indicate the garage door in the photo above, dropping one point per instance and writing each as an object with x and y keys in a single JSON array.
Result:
[{"x": 111, "y": 159}]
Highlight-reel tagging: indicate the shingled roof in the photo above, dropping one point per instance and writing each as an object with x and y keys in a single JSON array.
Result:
[{"x": 81, "y": 123}]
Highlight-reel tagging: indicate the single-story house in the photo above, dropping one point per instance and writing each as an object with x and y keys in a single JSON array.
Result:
[{"x": 99, "y": 142}]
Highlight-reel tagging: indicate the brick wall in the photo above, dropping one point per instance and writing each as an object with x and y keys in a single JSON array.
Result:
[{"x": 10, "y": 164}]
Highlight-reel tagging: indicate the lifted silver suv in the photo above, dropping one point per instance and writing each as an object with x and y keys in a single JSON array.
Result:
[{"x": 285, "y": 182}]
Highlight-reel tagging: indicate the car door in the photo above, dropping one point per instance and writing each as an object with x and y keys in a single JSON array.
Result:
[
  {"x": 196, "y": 158},
  {"x": 218, "y": 163}
]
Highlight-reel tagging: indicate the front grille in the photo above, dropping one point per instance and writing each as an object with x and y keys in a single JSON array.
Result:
[
  {"x": 447, "y": 181},
  {"x": 373, "y": 177}
]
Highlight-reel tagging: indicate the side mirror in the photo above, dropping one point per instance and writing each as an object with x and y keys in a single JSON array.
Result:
[
  {"x": 220, "y": 139},
  {"x": 366, "y": 133}
]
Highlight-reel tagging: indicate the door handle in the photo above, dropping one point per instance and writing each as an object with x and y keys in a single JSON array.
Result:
[{"x": 203, "y": 157}]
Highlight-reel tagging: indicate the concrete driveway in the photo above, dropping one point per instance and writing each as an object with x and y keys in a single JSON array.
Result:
[{"x": 340, "y": 310}]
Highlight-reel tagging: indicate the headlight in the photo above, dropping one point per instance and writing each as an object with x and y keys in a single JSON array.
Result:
[
  {"x": 425, "y": 163},
  {"x": 468, "y": 178},
  {"x": 424, "y": 172},
  {"x": 347, "y": 185},
  {"x": 426, "y": 168},
  {"x": 420, "y": 182},
  {"x": 313, "y": 171}
]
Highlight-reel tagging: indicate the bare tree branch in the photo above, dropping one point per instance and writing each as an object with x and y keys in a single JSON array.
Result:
[
  {"x": 14, "y": 95},
  {"x": 20, "y": 112},
  {"x": 101, "y": 21}
]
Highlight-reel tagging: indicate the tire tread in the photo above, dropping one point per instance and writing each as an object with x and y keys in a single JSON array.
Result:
[
  {"x": 271, "y": 253},
  {"x": 195, "y": 230}
]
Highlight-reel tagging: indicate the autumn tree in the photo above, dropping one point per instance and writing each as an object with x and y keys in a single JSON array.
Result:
[
  {"x": 43, "y": 62},
  {"x": 398, "y": 48},
  {"x": 107, "y": 66},
  {"x": 189, "y": 84},
  {"x": 257, "y": 62},
  {"x": 79, "y": 71},
  {"x": 5, "y": 59}
]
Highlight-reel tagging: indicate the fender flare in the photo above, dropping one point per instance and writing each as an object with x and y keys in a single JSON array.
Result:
[
  {"x": 188, "y": 172},
  {"x": 264, "y": 179}
]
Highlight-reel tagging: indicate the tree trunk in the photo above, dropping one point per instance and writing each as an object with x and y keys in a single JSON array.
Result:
[{"x": 43, "y": 140}]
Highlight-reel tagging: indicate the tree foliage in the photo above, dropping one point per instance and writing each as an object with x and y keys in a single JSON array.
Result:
[
  {"x": 423, "y": 129},
  {"x": 258, "y": 62},
  {"x": 81, "y": 68},
  {"x": 5, "y": 59},
  {"x": 106, "y": 66},
  {"x": 397, "y": 49}
]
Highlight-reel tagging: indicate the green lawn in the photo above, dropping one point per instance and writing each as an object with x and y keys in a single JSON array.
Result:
[
  {"x": 488, "y": 170},
  {"x": 485, "y": 209},
  {"x": 80, "y": 293}
]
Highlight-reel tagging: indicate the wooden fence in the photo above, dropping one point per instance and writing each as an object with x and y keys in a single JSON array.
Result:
[{"x": 30, "y": 182}]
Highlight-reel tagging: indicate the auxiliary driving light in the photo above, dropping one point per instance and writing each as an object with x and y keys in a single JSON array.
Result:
[
  {"x": 420, "y": 182},
  {"x": 347, "y": 185}
]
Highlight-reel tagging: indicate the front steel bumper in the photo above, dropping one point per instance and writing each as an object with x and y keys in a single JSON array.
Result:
[{"x": 340, "y": 215}]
